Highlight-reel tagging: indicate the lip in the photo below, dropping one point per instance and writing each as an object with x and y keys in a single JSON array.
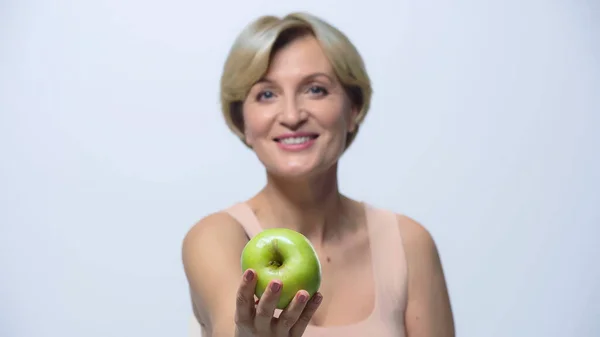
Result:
[
  {"x": 296, "y": 134},
  {"x": 296, "y": 147}
]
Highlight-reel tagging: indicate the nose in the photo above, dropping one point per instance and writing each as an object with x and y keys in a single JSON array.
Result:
[{"x": 292, "y": 116}]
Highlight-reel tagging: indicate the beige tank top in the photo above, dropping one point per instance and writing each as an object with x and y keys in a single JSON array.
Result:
[{"x": 387, "y": 318}]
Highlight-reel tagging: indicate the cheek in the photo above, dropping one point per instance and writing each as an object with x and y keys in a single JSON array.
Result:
[
  {"x": 334, "y": 114},
  {"x": 256, "y": 125},
  {"x": 336, "y": 122}
]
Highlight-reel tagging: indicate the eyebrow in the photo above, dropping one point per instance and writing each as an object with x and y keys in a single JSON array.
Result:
[{"x": 308, "y": 77}]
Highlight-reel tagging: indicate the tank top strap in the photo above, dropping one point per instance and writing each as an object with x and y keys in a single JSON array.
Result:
[
  {"x": 245, "y": 216},
  {"x": 389, "y": 262}
]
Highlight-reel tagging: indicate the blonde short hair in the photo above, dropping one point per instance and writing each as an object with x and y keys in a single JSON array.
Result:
[{"x": 250, "y": 56}]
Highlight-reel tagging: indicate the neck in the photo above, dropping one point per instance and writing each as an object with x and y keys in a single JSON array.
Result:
[{"x": 310, "y": 206}]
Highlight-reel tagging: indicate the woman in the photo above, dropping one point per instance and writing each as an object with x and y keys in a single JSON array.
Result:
[{"x": 295, "y": 91}]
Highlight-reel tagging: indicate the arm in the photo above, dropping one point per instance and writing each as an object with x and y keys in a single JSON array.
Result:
[
  {"x": 211, "y": 258},
  {"x": 428, "y": 312}
]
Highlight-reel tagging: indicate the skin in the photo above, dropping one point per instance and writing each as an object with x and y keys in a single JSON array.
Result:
[{"x": 300, "y": 92}]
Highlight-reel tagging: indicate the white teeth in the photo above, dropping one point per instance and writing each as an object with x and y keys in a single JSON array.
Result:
[{"x": 295, "y": 140}]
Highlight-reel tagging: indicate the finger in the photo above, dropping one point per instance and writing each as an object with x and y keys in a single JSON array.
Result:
[
  {"x": 290, "y": 315},
  {"x": 266, "y": 307},
  {"x": 244, "y": 311},
  {"x": 306, "y": 315}
]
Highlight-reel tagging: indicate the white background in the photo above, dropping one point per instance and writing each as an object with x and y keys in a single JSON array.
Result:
[{"x": 484, "y": 127}]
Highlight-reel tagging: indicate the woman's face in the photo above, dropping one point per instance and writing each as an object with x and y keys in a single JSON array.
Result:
[{"x": 298, "y": 116}]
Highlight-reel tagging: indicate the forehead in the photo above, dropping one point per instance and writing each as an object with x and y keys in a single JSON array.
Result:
[{"x": 300, "y": 57}]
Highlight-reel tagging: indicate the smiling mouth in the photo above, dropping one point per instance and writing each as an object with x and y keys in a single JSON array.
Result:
[{"x": 296, "y": 140}]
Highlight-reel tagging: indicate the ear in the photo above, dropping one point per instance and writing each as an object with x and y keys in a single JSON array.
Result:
[{"x": 353, "y": 122}]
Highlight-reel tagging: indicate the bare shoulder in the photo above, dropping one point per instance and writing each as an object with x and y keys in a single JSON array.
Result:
[
  {"x": 211, "y": 253},
  {"x": 418, "y": 242},
  {"x": 417, "y": 239},
  {"x": 214, "y": 237},
  {"x": 217, "y": 232},
  {"x": 211, "y": 228},
  {"x": 428, "y": 311}
]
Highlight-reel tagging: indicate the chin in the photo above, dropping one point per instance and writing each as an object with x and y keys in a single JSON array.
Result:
[
  {"x": 297, "y": 171},
  {"x": 293, "y": 172},
  {"x": 297, "y": 166}
]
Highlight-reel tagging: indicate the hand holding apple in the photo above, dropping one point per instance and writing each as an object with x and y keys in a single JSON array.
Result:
[
  {"x": 281, "y": 268},
  {"x": 257, "y": 320},
  {"x": 284, "y": 255}
]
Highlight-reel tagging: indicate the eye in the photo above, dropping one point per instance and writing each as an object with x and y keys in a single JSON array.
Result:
[
  {"x": 317, "y": 90},
  {"x": 263, "y": 95}
]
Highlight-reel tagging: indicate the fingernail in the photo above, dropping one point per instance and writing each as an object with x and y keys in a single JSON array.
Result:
[
  {"x": 249, "y": 275},
  {"x": 302, "y": 298},
  {"x": 275, "y": 287},
  {"x": 318, "y": 298}
]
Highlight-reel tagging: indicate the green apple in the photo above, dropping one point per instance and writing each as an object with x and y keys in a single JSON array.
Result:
[{"x": 286, "y": 255}]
